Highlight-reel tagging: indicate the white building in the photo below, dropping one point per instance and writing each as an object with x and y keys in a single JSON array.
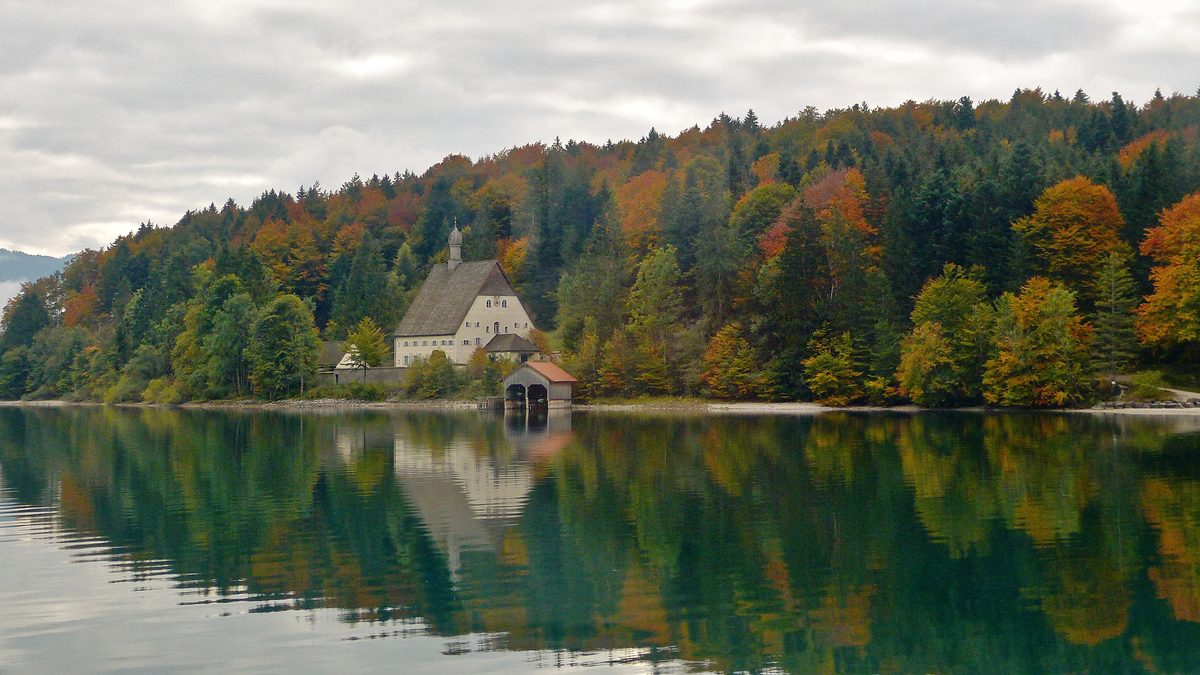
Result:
[{"x": 461, "y": 306}]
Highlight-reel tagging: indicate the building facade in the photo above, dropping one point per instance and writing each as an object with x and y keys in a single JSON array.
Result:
[{"x": 460, "y": 307}]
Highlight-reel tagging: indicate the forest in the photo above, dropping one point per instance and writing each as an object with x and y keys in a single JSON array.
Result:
[{"x": 1012, "y": 253}]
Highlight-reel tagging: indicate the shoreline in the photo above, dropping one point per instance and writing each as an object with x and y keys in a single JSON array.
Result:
[{"x": 698, "y": 407}]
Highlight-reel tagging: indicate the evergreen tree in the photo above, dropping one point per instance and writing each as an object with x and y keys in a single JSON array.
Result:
[
  {"x": 1115, "y": 342},
  {"x": 23, "y": 318},
  {"x": 368, "y": 290}
]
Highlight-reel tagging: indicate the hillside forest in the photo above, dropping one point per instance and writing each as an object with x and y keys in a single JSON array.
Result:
[{"x": 1014, "y": 253}]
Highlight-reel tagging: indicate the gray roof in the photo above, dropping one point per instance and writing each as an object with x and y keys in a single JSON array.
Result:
[
  {"x": 446, "y": 297},
  {"x": 510, "y": 342},
  {"x": 331, "y": 354}
]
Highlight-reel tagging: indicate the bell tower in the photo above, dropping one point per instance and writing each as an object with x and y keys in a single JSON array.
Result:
[{"x": 455, "y": 247}]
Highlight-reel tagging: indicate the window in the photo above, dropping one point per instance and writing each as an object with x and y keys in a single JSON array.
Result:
[
  {"x": 487, "y": 329},
  {"x": 406, "y": 358},
  {"x": 515, "y": 325},
  {"x": 527, "y": 325},
  {"x": 496, "y": 327},
  {"x": 424, "y": 343},
  {"x": 504, "y": 303},
  {"x": 477, "y": 342},
  {"x": 467, "y": 342},
  {"x": 505, "y": 328},
  {"x": 489, "y": 303},
  {"x": 468, "y": 324},
  {"x": 406, "y": 343}
]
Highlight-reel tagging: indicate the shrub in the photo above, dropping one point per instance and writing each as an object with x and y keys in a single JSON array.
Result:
[{"x": 162, "y": 390}]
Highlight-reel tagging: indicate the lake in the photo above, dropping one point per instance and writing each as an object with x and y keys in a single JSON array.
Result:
[{"x": 430, "y": 542}]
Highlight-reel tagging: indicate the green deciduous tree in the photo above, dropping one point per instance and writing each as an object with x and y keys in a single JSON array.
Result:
[
  {"x": 655, "y": 308},
  {"x": 284, "y": 348},
  {"x": 833, "y": 373},
  {"x": 366, "y": 346},
  {"x": 942, "y": 359},
  {"x": 432, "y": 378}
]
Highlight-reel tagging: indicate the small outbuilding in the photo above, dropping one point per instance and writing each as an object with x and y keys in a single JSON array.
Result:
[
  {"x": 539, "y": 383},
  {"x": 331, "y": 355},
  {"x": 511, "y": 346}
]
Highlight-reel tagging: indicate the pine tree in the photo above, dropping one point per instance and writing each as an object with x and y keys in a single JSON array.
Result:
[
  {"x": 24, "y": 317},
  {"x": 1115, "y": 338},
  {"x": 368, "y": 290}
]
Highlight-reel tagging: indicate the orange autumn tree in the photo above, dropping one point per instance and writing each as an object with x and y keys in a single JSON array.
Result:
[
  {"x": 731, "y": 369},
  {"x": 637, "y": 206},
  {"x": 1074, "y": 226},
  {"x": 1171, "y": 314}
]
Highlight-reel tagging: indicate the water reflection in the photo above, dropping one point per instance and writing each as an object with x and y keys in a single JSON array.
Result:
[{"x": 950, "y": 543}]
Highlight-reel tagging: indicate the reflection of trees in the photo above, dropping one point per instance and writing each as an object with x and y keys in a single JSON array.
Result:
[
  {"x": 954, "y": 490},
  {"x": 238, "y": 501},
  {"x": 1042, "y": 465},
  {"x": 1173, "y": 509},
  {"x": 928, "y": 543},
  {"x": 1086, "y": 598}
]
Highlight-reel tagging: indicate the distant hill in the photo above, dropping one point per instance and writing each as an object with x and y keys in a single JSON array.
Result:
[{"x": 18, "y": 266}]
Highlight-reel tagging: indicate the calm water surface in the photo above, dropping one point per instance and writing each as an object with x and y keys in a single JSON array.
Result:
[{"x": 183, "y": 541}]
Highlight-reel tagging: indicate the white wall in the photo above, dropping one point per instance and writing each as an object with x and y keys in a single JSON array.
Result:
[
  {"x": 422, "y": 347},
  {"x": 512, "y": 319}
]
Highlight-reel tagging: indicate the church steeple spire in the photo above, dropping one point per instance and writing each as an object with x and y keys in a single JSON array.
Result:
[{"x": 455, "y": 247}]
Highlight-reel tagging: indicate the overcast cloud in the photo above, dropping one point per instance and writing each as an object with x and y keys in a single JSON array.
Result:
[{"x": 118, "y": 112}]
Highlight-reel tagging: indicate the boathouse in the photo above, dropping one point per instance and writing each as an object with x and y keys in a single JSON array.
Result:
[{"x": 539, "y": 383}]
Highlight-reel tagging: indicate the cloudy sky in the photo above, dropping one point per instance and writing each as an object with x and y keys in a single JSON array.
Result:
[{"x": 115, "y": 112}]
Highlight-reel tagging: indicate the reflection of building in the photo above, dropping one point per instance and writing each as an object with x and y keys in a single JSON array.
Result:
[
  {"x": 465, "y": 500},
  {"x": 540, "y": 434}
]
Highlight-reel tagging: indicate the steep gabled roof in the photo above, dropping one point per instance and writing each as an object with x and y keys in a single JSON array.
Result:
[
  {"x": 510, "y": 342},
  {"x": 446, "y": 297},
  {"x": 331, "y": 354}
]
